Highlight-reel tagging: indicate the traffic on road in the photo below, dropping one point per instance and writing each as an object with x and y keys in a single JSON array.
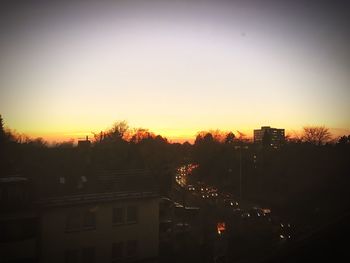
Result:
[{"x": 229, "y": 228}]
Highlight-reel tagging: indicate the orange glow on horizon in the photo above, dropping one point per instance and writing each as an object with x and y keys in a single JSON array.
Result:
[
  {"x": 172, "y": 137},
  {"x": 163, "y": 67}
]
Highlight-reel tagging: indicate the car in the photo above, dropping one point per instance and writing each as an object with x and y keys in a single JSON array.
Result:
[
  {"x": 257, "y": 212},
  {"x": 246, "y": 215},
  {"x": 191, "y": 188},
  {"x": 178, "y": 205},
  {"x": 230, "y": 203},
  {"x": 204, "y": 189},
  {"x": 212, "y": 188},
  {"x": 285, "y": 231},
  {"x": 214, "y": 194},
  {"x": 226, "y": 195}
]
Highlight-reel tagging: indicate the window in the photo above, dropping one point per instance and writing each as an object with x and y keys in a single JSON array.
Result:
[
  {"x": 73, "y": 221},
  {"x": 131, "y": 248},
  {"x": 72, "y": 256},
  {"x": 90, "y": 219},
  {"x": 15, "y": 194},
  {"x": 118, "y": 215},
  {"x": 132, "y": 214},
  {"x": 88, "y": 255},
  {"x": 123, "y": 215},
  {"x": 117, "y": 252},
  {"x": 77, "y": 221}
]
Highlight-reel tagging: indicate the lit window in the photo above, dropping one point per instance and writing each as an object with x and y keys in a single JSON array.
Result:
[
  {"x": 132, "y": 214},
  {"x": 118, "y": 215}
]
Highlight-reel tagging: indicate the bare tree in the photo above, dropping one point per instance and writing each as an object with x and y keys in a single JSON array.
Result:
[
  {"x": 317, "y": 135},
  {"x": 141, "y": 134},
  {"x": 119, "y": 129},
  {"x": 229, "y": 138},
  {"x": 119, "y": 132}
]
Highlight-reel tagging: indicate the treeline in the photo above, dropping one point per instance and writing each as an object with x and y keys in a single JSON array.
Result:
[
  {"x": 118, "y": 148},
  {"x": 306, "y": 178},
  {"x": 302, "y": 167}
]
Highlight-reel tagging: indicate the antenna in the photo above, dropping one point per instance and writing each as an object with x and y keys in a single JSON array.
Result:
[{"x": 86, "y": 138}]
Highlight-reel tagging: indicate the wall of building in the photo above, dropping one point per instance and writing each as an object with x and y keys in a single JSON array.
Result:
[
  {"x": 18, "y": 237},
  {"x": 55, "y": 240},
  {"x": 18, "y": 250}
]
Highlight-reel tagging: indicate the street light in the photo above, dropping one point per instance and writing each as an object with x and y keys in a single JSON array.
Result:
[{"x": 240, "y": 168}]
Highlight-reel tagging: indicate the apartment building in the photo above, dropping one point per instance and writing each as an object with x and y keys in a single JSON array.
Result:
[
  {"x": 111, "y": 216},
  {"x": 273, "y": 136}
]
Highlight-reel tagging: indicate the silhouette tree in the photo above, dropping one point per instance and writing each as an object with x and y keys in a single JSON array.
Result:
[
  {"x": 118, "y": 130},
  {"x": 2, "y": 131},
  {"x": 317, "y": 135},
  {"x": 141, "y": 134},
  {"x": 38, "y": 142},
  {"x": 344, "y": 140},
  {"x": 229, "y": 138},
  {"x": 98, "y": 137}
]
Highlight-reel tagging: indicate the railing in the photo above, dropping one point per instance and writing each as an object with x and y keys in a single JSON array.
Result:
[{"x": 92, "y": 198}]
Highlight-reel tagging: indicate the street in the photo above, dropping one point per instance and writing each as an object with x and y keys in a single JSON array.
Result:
[{"x": 218, "y": 227}]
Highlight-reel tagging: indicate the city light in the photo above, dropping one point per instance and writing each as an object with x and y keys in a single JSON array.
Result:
[{"x": 221, "y": 227}]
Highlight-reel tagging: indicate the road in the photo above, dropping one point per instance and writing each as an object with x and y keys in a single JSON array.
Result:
[{"x": 225, "y": 228}]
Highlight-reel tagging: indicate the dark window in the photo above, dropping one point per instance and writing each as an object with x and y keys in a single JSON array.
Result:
[
  {"x": 132, "y": 214},
  {"x": 72, "y": 256},
  {"x": 18, "y": 229},
  {"x": 117, "y": 252},
  {"x": 88, "y": 255},
  {"x": 132, "y": 248},
  {"x": 118, "y": 215},
  {"x": 73, "y": 221},
  {"x": 90, "y": 219}
]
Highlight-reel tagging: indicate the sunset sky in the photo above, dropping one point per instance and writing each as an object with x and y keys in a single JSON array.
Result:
[{"x": 174, "y": 67}]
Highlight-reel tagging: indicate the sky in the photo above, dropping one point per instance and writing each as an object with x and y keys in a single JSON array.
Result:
[{"x": 174, "y": 67}]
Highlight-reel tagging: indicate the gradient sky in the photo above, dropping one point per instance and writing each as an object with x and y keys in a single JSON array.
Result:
[{"x": 175, "y": 67}]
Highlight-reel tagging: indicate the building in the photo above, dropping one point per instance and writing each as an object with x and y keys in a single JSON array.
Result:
[
  {"x": 84, "y": 143},
  {"x": 18, "y": 221},
  {"x": 106, "y": 216},
  {"x": 271, "y": 136}
]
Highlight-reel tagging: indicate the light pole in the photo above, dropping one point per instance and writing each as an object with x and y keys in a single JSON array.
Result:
[{"x": 240, "y": 168}]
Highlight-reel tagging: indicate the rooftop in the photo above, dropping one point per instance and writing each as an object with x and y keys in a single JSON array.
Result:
[{"x": 79, "y": 187}]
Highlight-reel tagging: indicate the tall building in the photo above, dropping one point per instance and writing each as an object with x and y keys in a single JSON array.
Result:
[{"x": 272, "y": 136}]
